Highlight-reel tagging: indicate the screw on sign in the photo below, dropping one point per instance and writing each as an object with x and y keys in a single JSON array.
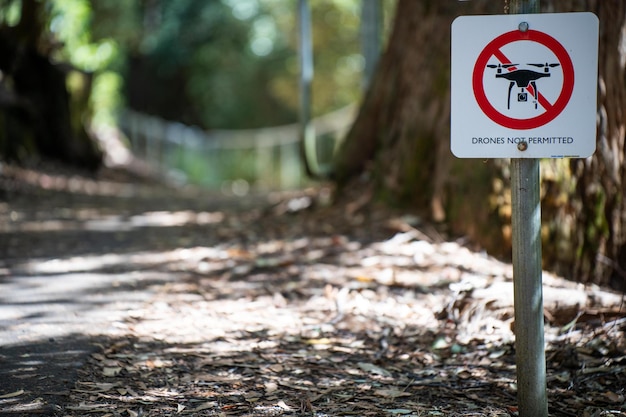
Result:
[{"x": 492, "y": 57}]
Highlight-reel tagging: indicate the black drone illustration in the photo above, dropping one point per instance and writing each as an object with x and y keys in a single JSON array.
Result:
[{"x": 522, "y": 78}]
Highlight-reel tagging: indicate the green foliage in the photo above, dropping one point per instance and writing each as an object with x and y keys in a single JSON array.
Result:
[
  {"x": 238, "y": 58},
  {"x": 218, "y": 64},
  {"x": 231, "y": 75},
  {"x": 71, "y": 24},
  {"x": 10, "y": 12},
  {"x": 106, "y": 97}
]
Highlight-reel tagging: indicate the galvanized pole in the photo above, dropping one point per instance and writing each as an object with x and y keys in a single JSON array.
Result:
[
  {"x": 307, "y": 132},
  {"x": 528, "y": 299},
  {"x": 306, "y": 60},
  {"x": 371, "y": 28},
  {"x": 527, "y": 284}
]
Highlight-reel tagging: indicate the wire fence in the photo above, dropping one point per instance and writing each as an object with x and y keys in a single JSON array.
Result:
[{"x": 266, "y": 158}]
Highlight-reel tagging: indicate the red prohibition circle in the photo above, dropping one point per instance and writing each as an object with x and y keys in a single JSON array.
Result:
[{"x": 493, "y": 49}]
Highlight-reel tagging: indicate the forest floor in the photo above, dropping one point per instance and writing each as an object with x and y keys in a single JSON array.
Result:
[{"x": 124, "y": 298}]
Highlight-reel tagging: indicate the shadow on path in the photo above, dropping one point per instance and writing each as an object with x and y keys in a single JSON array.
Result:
[{"x": 37, "y": 376}]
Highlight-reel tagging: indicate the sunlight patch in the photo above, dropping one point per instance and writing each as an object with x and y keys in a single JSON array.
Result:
[{"x": 104, "y": 223}]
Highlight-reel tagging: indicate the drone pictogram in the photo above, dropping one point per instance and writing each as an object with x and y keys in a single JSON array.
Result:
[
  {"x": 550, "y": 96},
  {"x": 524, "y": 79}
]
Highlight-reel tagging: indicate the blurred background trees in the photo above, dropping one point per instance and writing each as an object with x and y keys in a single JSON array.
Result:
[{"x": 213, "y": 64}]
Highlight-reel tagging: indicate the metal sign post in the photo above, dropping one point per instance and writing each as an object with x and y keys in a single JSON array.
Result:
[
  {"x": 530, "y": 356},
  {"x": 523, "y": 86},
  {"x": 527, "y": 288}
]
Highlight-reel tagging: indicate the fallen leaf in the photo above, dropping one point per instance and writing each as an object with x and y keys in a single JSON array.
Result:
[
  {"x": 392, "y": 393},
  {"x": 614, "y": 397},
  {"x": 322, "y": 341},
  {"x": 87, "y": 407},
  {"x": 203, "y": 406},
  {"x": 276, "y": 367},
  {"x": 252, "y": 396},
  {"x": 371, "y": 368},
  {"x": 114, "y": 371},
  {"x": 12, "y": 394},
  {"x": 362, "y": 278},
  {"x": 157, "y": 363},
  {"x": 284, "y": 406}
]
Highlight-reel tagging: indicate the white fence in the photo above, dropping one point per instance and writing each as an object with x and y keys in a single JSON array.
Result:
[{"x": 265, "y": 158}]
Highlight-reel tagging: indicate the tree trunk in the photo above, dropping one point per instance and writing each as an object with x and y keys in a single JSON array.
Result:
[
  {"x": 600, "y": 237},
  {"x": 401, "y": 141},
  {"x": 401, "y": 137},
  {"x": 35, "y": 113}
]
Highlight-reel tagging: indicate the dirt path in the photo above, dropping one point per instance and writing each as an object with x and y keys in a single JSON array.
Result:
[{"x": 125, "y": 300}]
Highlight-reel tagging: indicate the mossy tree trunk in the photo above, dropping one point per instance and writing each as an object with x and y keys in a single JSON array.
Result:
[{"x": 401, "y": 141}]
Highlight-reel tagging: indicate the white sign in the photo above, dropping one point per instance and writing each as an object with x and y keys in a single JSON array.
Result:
[{"x": 524, "y": 86}]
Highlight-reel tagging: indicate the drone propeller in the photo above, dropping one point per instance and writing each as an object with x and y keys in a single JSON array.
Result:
[
  {"x": 545, "y": 65},
  {"x": 502, "y": 65}
]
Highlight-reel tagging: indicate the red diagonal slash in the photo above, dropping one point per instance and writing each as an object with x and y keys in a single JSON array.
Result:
[{"x": 540, "y": 98}]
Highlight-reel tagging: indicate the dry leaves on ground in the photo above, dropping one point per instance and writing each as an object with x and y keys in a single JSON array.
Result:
[
  {"x": 306, "y": 309},
  {"x": 311, "y": 314}
]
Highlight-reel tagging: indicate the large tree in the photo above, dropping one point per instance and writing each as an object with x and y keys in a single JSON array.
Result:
[{"x": 401, "y": 140}]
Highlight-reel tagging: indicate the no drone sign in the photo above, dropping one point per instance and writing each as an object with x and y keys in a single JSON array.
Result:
[{"x": 524, "y": 86}]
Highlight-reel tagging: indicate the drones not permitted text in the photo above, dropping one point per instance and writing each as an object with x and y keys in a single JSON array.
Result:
[{"x": 536, "y": 140}]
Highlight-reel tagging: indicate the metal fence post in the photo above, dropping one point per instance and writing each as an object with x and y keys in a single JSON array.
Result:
[
  {"x": 371, "y": 22},
  {"x": 307, "y": 132}
]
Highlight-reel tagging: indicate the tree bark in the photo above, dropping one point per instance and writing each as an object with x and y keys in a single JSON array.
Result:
[{"x": 600, "y": 237}]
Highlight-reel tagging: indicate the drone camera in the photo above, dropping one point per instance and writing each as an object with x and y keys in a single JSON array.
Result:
[{"x": 522, "y": 97}]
